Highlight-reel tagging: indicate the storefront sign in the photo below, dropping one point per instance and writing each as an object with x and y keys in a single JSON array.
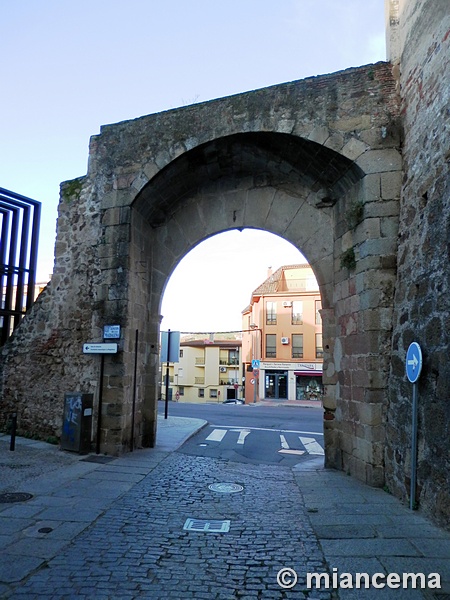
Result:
[{"x": 291, "y": 366}]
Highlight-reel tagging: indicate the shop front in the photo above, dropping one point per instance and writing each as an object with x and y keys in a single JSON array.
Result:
[
  {"x": 291, "y": 381},
  {"x": 308, "y": 385},
  {"x": 276, "y": 385}
]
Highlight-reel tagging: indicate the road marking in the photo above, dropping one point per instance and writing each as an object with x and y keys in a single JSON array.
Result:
[
  {"x": 284, "y": 444},
  {"x": 242, "y": 435},
  {"x": 217, "y": 435},
  {"x": 238, "y": 428},
  {"x": 311, "y": 446}
]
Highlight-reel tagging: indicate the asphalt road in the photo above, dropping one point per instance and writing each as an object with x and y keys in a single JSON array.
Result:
[{"x": 282, "y": 435}]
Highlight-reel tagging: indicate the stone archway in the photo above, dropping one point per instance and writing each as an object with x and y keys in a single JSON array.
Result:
[
  {"x": 272, "y": 182},
  {"x": 314, "y": 161}
]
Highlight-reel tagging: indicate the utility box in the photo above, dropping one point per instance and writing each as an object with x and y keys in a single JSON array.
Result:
[{"x": 76, "y": 433}]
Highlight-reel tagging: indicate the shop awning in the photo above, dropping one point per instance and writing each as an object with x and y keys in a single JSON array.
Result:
[{"x": 309, "y": 373}]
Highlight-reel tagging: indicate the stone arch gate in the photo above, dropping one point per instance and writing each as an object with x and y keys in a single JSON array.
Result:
[{"x": 315, "y": 161}]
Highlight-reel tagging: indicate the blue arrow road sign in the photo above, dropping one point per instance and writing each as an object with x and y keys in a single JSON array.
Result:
[{"x": 413, "y": 362}]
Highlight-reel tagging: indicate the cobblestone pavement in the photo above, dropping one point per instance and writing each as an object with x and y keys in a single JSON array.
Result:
[{"x": 138, "y": 548}]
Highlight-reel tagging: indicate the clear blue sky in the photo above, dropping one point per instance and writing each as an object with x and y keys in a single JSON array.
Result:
[{"x": 69, "y": 66}]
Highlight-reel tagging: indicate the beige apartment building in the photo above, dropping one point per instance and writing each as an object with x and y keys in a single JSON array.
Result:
[
  {"x": 282, "y": 350},
  {"x": 207, "y": 371}
]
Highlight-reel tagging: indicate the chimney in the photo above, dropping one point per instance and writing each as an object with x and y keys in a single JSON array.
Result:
[{"x": 269, "y": 272}]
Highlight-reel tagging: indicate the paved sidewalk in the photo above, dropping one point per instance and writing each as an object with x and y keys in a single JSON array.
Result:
[{"x": 114, "y": 530}]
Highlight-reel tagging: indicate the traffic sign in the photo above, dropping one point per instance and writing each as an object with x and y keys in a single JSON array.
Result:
[
  {"x": 99, "y": 348},
  {"x": 255, "y": 363},
  {"x": 413, "y": 362}
]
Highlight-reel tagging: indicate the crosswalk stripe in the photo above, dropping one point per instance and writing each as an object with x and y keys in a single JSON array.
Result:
[
  {"x": 311, "y": 446},
  {"x": 242, "y": 435},
  {"x": 217, "y": 435},
  {"x": 284, "y": 444}
]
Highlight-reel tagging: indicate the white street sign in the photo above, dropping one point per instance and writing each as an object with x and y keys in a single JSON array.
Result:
[{"x": 99, "y": 348}]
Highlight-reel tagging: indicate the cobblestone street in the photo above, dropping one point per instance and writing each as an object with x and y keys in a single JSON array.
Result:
[{"x": 138, "y": 548}]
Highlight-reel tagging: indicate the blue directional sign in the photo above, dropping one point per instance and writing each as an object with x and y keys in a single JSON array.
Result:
[{"x": 413, "y": 362}]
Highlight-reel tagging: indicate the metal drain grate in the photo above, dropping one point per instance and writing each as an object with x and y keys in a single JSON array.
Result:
[
  {"x": 10, "y": 497},
  {"x": 226, "y": 488},
  {"x": 207, "y": 525}
]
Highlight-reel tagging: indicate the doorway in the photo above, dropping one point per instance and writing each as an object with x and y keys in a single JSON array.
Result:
[{"x": 276, "y": 385}]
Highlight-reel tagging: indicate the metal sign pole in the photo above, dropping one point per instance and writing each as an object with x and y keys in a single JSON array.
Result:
[
  {"x": 100, "y": 398},
  {"x": 412, "y": 495},
  {"x": 134, "y": 390},
  {"x": 166, "y": 408},
  {"x": 413, "y": 370}
]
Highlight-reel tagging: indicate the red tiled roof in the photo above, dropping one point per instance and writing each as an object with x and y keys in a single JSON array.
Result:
[{"x": 271, "y": 284}]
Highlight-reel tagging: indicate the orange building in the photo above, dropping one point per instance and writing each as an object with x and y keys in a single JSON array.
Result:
[{"x": 282, "y": 350}]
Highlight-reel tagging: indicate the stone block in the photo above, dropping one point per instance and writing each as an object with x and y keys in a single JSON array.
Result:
[
  {"x": 391, "y": 185},
  {"x": 387, "y": 208},
  {"x": 351, "y": 123},
  {"x": 375, "y": 475},
  {"x": 370, "y": 228},
  {"x": 319, "y": 134},
  {"x": 335, "y": 142},
  {"x": 371, "y": 414},
  {"x": 380, "y": 161},
  {"x": 378, "y": 247},
  {"x": 354, "y": 148}
]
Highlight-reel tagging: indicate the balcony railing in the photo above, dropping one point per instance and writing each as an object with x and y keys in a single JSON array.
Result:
[
  {"x": 200, "y": 361},
  {"x": 200, "y": 380}
]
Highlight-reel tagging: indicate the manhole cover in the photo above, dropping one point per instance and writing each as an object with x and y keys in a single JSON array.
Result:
[
  {"x": 207, "y": 525},
  {"x": 226, "y": 488},
  {"x": 10, "y": 497}
]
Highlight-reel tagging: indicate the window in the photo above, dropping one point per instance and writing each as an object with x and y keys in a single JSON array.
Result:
[
  {"x": 297, "y": 345},
  {"x": 297, "y": 312},
  {"x": 181, "y": 390},
  {"x": 213, "y": 393},
  {"x": 271, "y": 345},
  {"x": 318, "y": 308},
  {"x": 319, "y": 346},
  {"x": 233, "y": 357},
  {"x": 181, "y": 353},
  {"x": 271, "y": 313},
  {"x": 201, "y": 392}
]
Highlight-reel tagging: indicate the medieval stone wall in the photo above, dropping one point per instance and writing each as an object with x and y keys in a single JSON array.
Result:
[
  {"x": 422, "y": 298},
  {"x": 281, "y": 158},
  {"x": 43, "y": 359}
]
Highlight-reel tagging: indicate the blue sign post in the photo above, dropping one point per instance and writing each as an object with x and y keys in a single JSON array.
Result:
[
  {"x": 413, "y": 370},
  {"x": 413, "y": 362}
]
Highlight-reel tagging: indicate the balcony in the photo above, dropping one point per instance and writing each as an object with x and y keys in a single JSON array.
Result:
[
  {"x": 199, "y": 380},
  {"x": 200, "y": 361}
]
